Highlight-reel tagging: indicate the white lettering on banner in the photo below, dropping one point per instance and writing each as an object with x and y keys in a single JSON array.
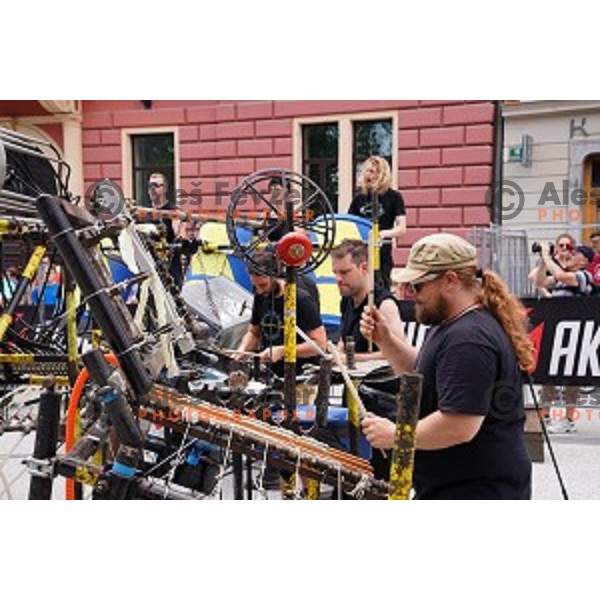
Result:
[
  {"x": 415, "y": 333},
  {"x": 589, "y": 351},
  {"x": 561, "y": 348},
  {"x": 568, "y": 338}
]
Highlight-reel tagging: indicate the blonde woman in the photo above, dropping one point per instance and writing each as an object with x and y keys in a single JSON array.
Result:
[{"x": 376, "y": 176}]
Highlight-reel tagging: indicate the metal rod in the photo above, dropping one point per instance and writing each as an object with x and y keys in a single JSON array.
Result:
[
  {"x": 403, "y": 454},
  {"x": 46, "y": 440},
  {"x": 114, "y": 325},
  {"x": 28, "y": 274}
]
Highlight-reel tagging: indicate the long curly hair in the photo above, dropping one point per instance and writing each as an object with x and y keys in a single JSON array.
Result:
[
  {"x": 384, "y": 175},
  {"x": 507, "y": 310}
]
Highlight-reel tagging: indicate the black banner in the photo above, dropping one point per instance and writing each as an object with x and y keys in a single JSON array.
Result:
[{"x": 566, "y": 334}]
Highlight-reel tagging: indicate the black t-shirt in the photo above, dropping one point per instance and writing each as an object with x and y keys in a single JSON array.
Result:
[
  {"x": 391, "y": 205},
  {"x": 350, "y": 321},
  {"x": 309, "y": 285},
  {"x": 267, "y": 313},
  {"x": 470, "y": 367}
]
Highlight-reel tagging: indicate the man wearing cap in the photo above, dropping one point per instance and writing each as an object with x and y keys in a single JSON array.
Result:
[
  {"x": 571, "y": 279},
  {"x": 470, "y": 439}
]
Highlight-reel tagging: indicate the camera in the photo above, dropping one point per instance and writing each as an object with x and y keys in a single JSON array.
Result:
[{"x": 536, "y": 248}]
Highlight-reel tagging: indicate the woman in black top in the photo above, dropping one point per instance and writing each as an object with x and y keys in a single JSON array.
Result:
[{"x": 376, "y": 176}]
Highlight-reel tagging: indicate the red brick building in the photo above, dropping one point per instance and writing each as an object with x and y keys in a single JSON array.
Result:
[{"x": 441, "y": 151}]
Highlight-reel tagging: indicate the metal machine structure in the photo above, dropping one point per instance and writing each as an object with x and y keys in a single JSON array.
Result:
[{"x": 161, "y": 368}]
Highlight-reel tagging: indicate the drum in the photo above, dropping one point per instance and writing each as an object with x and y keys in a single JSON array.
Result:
[{"x": 378, "y": 391}]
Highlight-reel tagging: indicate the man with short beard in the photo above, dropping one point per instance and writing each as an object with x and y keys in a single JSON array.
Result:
[
  {"x": 350, "y": 267},
  {"x": 469, "y": 439}
]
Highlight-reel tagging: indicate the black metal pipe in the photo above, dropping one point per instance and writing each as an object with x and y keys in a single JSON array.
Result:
[
  {"x": 46, "y": 440},
  {"x": 498, "y": 165},
  {"x": 119, "y": 412},
  {"x": 238, "y": 476},
  {"x": 322, "y": 400},
  {"x": 103, "y": 307},
  {"x": 249, "y": 483},
  {"x": 116, "y": 484}
]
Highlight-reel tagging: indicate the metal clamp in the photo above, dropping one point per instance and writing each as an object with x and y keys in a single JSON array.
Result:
[{"x": 41, "y": 467}]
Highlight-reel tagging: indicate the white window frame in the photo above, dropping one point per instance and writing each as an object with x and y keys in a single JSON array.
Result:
[
  {"x": 127, "y": 158},
  {"x": 345, "y": 124}
]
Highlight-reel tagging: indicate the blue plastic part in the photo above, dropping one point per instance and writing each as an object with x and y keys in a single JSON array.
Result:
[
  {"x": 109, "y": 396},
  {"x": 50, "y": 294},
  {"x": 197, "y": 451},
  {"x": 123, "y": 470},
  {"x": 120, "y": 273}
]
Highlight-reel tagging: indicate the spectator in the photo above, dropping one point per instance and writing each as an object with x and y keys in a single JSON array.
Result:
[
  {"x": 594, "y": 268},
  {"x": 565, "y": 279}
]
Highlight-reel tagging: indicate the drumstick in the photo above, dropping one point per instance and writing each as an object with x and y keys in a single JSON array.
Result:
[
  {"x": 229, "y": 351},
  {"x": 371, "y": 275},
  {"x": 349, "y": 384}
]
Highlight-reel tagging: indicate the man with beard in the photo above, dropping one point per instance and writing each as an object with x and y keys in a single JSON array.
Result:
[
  {"x": 350, "y": 267},
  {"x": 469, "y": 438},
  {"x": 266, "y": 331}
]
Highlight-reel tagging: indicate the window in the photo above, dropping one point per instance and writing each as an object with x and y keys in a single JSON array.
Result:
[
  {"x": 320, "y": 158},
  {"x": 370, "y": 138},
  {"x": 152, "y": 152},
  {"x": 330, "y": 150}
]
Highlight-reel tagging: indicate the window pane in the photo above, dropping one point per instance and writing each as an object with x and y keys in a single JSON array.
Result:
[
  {"x": 152, "y": 153},
  {"x": 320, "y": 158},
  {"x": 321, "y": 141},
  {"x": 371, "y": 138}
]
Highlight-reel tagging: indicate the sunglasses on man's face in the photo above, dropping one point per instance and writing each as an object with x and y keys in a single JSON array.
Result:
[
  {"x": 416, "y": 286},
  {"x": 154, "y": 184}
]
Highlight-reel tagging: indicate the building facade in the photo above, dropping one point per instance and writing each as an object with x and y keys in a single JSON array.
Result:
[
  {"x": 441, "y": 152},
  {"x": 552, "y": 160}
]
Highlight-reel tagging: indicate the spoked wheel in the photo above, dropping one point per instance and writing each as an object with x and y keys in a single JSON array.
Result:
[{"x": 273, "y": 202}]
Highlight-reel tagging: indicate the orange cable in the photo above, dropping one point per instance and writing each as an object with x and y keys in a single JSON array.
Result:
[{"x": 74, "y": 400}]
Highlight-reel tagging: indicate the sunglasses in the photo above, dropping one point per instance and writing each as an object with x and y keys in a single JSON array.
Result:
[
  {"x": 567, "y": 246},
  {"x": 415, "y": 286},
  {"x": 156, "y": 185}
]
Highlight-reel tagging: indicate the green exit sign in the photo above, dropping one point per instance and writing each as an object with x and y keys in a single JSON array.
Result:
[
  {"x": 520, "y": 153},
  {"x": 515, "y": 153}
]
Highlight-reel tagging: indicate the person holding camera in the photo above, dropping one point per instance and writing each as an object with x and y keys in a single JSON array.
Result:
[{"x": 564, "y": 277}]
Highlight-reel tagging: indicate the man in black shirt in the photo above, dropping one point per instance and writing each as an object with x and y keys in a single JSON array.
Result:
[
  {"x": 351, "y": 270},
  {"x": 266, "y": 325},
  {"x": 470, "y": 440},
  {"x": 376, "y": 179}
]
